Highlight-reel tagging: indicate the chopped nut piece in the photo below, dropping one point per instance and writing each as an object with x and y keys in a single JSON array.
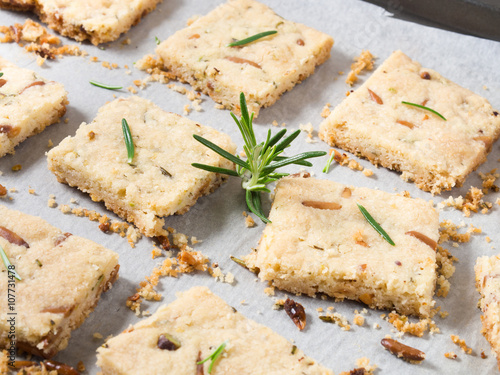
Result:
[
  {"x": 239, "y": 60},
  {"x": 450, "y": 355},
  {"x": 422, "y": 237},
  {"x": 296, "y": 312},
  {"x": 168, "y": 342},
  {"x": 403, "y": 351},
  {"x": 3, "y": 191},
  {"x": 12, "y": 237},
  {"x": 322, "y": 205},
  {"x": 375, "y": 97}
]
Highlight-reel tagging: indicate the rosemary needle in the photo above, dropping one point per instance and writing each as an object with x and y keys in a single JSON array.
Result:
[
  {"x": 426, "y": 108},
  {"x": 8, "y": 265},
  {"x": 1, "y": 74},
  {"x": 252, "y": 38},
  {"x": 329, "y": 163},
  {"x": 158, "y": 41},
  {"x": 375, "y": 225},
  {"x": 262, "y": 159},
  {"x": 129, "y": 142},
  {"x": 104, "y": 86},
  {"x": 216, "y": 354}
]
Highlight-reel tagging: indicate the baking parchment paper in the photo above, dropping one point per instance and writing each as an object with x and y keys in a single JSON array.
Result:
[{"x": 217, "y": 219}]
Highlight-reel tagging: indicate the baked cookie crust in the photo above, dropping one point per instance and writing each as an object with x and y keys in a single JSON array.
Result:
[
  {"x": 436, "y": 154},
  {"x": 62, "y": 275},
  {"x": 28, "y": 104},
  {"x": 160, "y": 181},
  {"x": 99, "y": 21},
  {"x": 262, "y": 70},
  {"x": 319, "y": 242},
  {"x": 200, "y": 322},
  {"x": 487, "y": 271}
]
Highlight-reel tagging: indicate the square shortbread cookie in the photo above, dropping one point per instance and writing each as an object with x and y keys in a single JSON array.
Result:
[
  {"x": 374, "y": 123},
  {"x": 28, "y": 104},
  {"x": 262, "y": 70},
  {"x": 99, "y": 21},
  {"x": 487, "y": 271},
  {"x": 160, "y": 181},
  {"x": 319, "y": 242},
  {"x": 62, "y": 275},
  {"x": 200, "y": 321}
]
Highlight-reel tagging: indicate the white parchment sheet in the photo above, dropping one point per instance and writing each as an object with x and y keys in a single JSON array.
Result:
[{"x": 217, "y": 219}]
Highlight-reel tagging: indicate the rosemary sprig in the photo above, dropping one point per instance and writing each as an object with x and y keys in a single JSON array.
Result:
[
  {"x": 129, "y": 142},
  {"x": 329, "y": 163},
  {"x": 213, "y": 357},
  {"x": 158, "y": 41},
  {"x": 7, "y": 264},
  {"x": 262, "y": 159},
  {"x": 426, "y": 108},
  {"x": 375, "y": 225},
  {"x": 252, "y": 38},
  {"x": 104, "y": 86}
]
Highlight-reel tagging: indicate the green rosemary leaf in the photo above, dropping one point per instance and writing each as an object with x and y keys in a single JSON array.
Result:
[
  {"x": 276, "y": 138},
  {"x": 262, "y": 159},
  {"x": 292, "y": 160},
  {"x": 286, "y": 142},
  {"x": 300, "y": 162},
  {"x": 221, "y": 151},
  {"x": 329, "y": 163},
  {"x": 129, "y": 142},
  {"x": 251, "y": 38},
  {"x": 7, "y": 264},
  {"x": 211, "y": 168},
  {"x": 426, "y": 108},
  {"x": 158, "y": 41},
  {"x": 375, "y": 225},
  {"x": 104, "y": 86},
  {"x": 249, "y": 196},
  {"x": 1, "y": 74},
  {"x": 214, "y": 356}
]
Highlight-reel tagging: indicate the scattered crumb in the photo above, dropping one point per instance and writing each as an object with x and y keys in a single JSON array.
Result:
[
  {"x": 17, "y": 167},
  {"x": 338, "y": 319},
  {"x": 219, "y": 275},
  {"x": 132, "y": 90},
  {"x": 80, "y": 366},
  {"x": 3, "y": 191},
  {"x": 488, "y": 239},
  {"x": 187, "y": 261},
  {"x": 450, "y": 355},
  {"x": 456, "y": 340},
  {"x": 309, "y": 129},
  {"x": 50, "y": 143},
  {"x": 279, "y": 304},
  {"x": 376, "y": 326},
  {"x": 363, "y": 367},
  {"x": 325, "y": 112},
  {"x": 444, "y": 314},
  {"x": 187, "y": 109},
  {"x": 219, "y": 106},
  {"x": 156, "y": 252},
  {"x": 363, "y": 62},
  {"x": 39, "y": 41},
  {"x": 126, "y": 42},
  {"x": 368, "y": 172},
  {"x": 32, "y": 191},
  {"x": 448, "y": 231},
  {"x": 97, "y": 335},
  {"x": 483, "y": 355},
  {"x": 473, "y": 201},
  {"x": 269, "y": 291},
  {"x": 402, "y": 324},
  {"x": 359, "y": 320}
]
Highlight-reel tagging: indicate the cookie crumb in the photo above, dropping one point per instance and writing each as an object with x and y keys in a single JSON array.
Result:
[
  {"x": 364, "y": 61},
  {"x": 461, "y": 343},
  {"x": 450, "y": 355}
]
